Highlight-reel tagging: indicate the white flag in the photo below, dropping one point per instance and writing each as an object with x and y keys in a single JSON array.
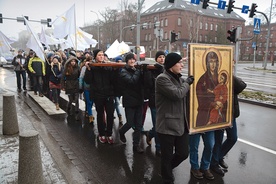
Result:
[
  {"x": 65, "y": 24},
  {"x": 42, "y": 37},
  {"x": 117, "y": 49},
  {"x": 5, "y": 42},
  {"x": 34, "y": 42},
  {"x": 84, "y": 40}
]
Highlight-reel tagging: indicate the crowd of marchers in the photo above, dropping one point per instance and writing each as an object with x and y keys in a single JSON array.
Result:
[{"x": 160, "y": 88}]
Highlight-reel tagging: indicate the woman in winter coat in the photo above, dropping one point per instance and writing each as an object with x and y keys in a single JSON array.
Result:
[
  {"x": 55, "y": 79},
  {"x": 70, "y": 82}
]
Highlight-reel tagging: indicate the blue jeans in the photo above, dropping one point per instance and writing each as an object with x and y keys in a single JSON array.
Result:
[
  {"x": 18, "y": 79},
  {"x": 88, "y": 102},
  {"x": 208, "y": 141},
  {"x": 116, "y": 105},
  {"x": 222, "y": 148},
  {"x": 152, "y": 132}
]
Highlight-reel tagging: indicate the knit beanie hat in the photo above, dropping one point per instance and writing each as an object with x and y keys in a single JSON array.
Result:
[
  {"x": 118, "y": 58},
  {"x": 95, "y": 52},
  {"x": 171, "y": 59},
  {"x": 159, "y": 53},
  {"x": 129, "y": 56}
]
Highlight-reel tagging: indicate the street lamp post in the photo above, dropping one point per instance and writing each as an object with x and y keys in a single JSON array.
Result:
[
  {"x": 138, "y": 29},
  {"x": 98, "y": 28},
  {"x": 268, "y": 35}
]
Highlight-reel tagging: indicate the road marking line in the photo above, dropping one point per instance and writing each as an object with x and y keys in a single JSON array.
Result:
[{"x": 258, "y": 146}]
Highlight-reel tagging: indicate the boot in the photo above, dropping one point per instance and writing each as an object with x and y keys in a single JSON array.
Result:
[
  {"x": 57, "y": 106},
  {"x": 91, "y": 119}
]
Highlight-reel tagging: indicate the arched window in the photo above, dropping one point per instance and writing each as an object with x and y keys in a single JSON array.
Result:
[
  {"x": 161, "y": 23},
  {"x": 206, "y": 26},
  {"x": 146, "y": 37},
  {"x": 205, "y": 39},
  {"x": 216, "y": 28},
  {"x": 200, "y": 25},
  {"x": 211, "y": 27},
  {"x": 149, "y": 37}
]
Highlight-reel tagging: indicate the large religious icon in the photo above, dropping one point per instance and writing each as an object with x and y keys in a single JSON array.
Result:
[{"x": 211, "y": 92}]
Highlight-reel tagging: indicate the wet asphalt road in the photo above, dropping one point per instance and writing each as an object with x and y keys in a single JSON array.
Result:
[{"x": 252, "y": 160}]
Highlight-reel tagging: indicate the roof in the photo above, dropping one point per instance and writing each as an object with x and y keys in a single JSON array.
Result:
[{"x": 211, "y": 10}]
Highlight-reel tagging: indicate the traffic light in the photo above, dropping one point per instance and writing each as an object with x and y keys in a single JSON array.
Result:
[
  {"x": 26, "y": 17},
  {"x": 232, "y": 35},
  {"x": 230, "y": 6},
  {"x": 1, "y": 18},
  {"x": 49, "y": 22},
  {"x": 253, "y": 10},
  {"x": 174, "y": 37},
  {"x": 205, "y": 4},
  {"x": 171, "y": 1}
]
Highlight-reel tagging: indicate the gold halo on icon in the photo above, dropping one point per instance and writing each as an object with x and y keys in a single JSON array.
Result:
[{"x": 212, "y": 49}]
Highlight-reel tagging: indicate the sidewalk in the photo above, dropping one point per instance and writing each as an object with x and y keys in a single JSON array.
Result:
[{"x": 9, "y": 152}]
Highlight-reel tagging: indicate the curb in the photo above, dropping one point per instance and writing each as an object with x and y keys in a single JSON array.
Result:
[{"x": 257, "y": 103}]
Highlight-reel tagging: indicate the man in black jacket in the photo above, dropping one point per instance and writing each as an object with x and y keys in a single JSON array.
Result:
[
  {"x": 222, "y": 148},
  {"x": 19, "y": 63}
]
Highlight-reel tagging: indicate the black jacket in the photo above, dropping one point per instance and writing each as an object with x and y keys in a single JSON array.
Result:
[
  {"x": 133, "y": 90},
  {"x": 101, "y": 81},
  {"x": 239, "y": 86}
]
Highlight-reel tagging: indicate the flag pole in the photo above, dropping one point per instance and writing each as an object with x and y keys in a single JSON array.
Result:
[{"x": 75, "y": 27}]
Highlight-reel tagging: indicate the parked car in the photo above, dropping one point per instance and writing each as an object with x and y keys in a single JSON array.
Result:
[
  {"x": 3, "y": 61},
  {"x": 6, "y": 59}
]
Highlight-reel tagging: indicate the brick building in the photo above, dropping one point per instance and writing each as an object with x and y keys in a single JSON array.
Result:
[
  {"x": 192, "y": 24},
  {"x": 247, "y": 51}
]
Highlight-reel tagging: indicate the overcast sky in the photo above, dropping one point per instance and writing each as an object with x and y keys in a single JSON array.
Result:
[{"x": 43, "y": 9}]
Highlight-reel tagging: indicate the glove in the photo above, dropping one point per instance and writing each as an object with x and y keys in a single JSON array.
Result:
[{"x": 190, "y": 79}]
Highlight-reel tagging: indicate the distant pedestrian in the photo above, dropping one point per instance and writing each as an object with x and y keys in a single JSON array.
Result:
[
  {"x": 221, "y": 148},
  {"x": 171, "y": 119},
  {"x": 19, "y": 63},
  {"x": 55, "y": 76},
  {"x": 37, "y": 67}
]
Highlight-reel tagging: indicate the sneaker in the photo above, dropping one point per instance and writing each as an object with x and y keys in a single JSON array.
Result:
[
  {"x": 197, "y": 174},
  {"x": 25, "y": 89},
  {"x": 102, "y": 139},
  {"x": 223, "y": 164},
  {"x": 19, "y": 90},
  {"x": 148, "y": 139},
  {"x": 110, "y": 140},
  {"x": 122, "y": 137},
  {"x": 207, "y": 174},
  {"x": 138, "y": 149},
  {"x": 41, "y": 95},
  {"x": 35, "y": 93},
  {"x": 217, "y": 169}
]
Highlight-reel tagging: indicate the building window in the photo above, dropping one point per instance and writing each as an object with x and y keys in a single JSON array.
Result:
[
  {"x": 247, "y": 48},
  {"x": 162, "y": 23},
  {"x": 179, "y": 21},
  {"x": 165, "y": 35},
  {"x": 271, "y": 36},
  {"x": 200, "y": 38},
  {"x": 206, "y": 26},
  {"x": 146, "y": 37},
  {"x": 216, "y": 28},
  {"x": 270, "y": 44},
  {"x": 200, "y": 25},
  {"x": 154, "y": 19},
  {"x": 149, "y": 37},
  {"x": 149, "y": 25},
  {"x": 260, "y": 45},
  {"x": 205, "y": 39},
  {"x": 191, "y": 23},
  {"x": 216, "y": 39},
  {"x": 179, "y": 35},
  {"x": 166, "y": 22},
  {"x": 211, "y": 27}
]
